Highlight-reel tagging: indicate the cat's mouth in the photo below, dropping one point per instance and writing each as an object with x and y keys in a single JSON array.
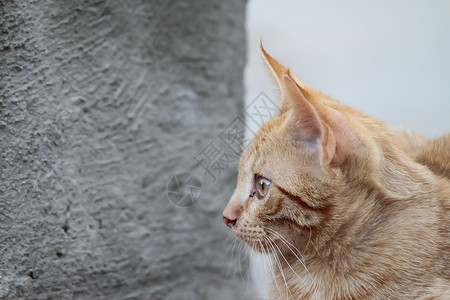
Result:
[{"x": 253, "y": 238}]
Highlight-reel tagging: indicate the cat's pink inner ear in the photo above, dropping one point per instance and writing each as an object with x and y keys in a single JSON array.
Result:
[
  {"x": 304, "y": 122},
  {"x": 303, "y": 116},
  {"x": 328, "y": 142}
]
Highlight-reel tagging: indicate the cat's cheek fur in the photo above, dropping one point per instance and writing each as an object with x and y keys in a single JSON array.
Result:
[{"x": 254, "y": 205}]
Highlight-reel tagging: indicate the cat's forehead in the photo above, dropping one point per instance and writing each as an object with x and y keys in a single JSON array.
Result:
[
  {"x": 262, "y": 154},
  {"x": 273, "y": 154}
]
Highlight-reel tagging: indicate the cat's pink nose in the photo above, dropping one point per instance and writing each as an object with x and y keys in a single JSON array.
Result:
[{"x": 228, "y": 222}]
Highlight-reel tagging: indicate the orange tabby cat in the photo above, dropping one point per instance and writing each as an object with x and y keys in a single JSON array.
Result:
[{"x": 340, "y": 204}]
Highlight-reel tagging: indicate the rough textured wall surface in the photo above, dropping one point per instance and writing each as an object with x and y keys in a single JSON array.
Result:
[{"x": 102, "y": 102}]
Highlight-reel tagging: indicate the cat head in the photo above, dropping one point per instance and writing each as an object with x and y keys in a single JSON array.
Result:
[{"x": 299, "y": 177}]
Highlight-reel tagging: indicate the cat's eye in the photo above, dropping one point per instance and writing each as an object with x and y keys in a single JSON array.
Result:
[{"x": 262, "y": 186}]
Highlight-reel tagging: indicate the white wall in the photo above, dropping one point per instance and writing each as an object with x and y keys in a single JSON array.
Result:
[{"x": 390, "y": 59}]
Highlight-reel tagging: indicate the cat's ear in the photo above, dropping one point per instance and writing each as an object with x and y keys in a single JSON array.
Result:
[
  {"x": 274, "y": 66},
  {"x": 279, "y": 70},
  {"x": 304, "y": 122}
]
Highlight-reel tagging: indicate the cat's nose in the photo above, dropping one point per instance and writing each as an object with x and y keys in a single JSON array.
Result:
[{"x": 228, "y": 222}]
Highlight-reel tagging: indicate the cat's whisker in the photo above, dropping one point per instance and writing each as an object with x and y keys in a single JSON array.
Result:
[
  {"x": 237, "y": 254},
  {"x": 227, "y": 253},
  {"x": 244, "y": 252},
  {"x": 277, "y": 261},
  {"x": 262, "y": 266},
  {"x": 301, "y": 260},
  {"x": 240, "y": 257},
  {"x": 250, "y": 250},
  {"x": 247, "y": 255},
  {"x": 271, "y": 268},
  {"x": 287, "y": 243},
  {"x": 289, "y": 265},
  {"x": 231, "y": 248},
  {"x": 230, "y": 245},
  {"x": 317, "y": 250},
  {"x": 280, "y": 267},
  {"x": 283, "y": 238},
  {"x": 265, "y": 267}
]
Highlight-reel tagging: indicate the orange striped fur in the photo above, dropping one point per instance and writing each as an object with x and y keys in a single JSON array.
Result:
[{"x": 353, "y": 211}]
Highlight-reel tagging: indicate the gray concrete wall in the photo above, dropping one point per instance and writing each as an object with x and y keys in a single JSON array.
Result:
[{"x": 101, "y": 103}]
